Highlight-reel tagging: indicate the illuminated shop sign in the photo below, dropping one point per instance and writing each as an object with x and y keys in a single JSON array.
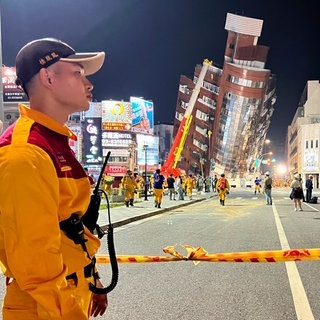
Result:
[
  {"x": 142, "y": 115},
  {"x": 116, "y": 115},
  {"x": 92, "y": 141},
  {"x": 11, "y": 92},
  {"x": 116, "y": 139}
]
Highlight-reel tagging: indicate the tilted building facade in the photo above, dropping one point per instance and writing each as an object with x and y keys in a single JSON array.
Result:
[{"x": 232, "y": 114}]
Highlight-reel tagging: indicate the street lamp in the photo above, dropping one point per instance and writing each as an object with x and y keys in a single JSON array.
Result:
[{"x": 145, "y": 148}]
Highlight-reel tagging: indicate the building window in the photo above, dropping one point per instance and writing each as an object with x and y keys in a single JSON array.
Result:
[
  {"x": 184, "y": 89},
  {"x": 317, "y": 144},
  {"x": 311, "y": 144},
  {"x": 201, "y": 130},
  {"x": 306, "y": 144},
  {"x": 211, "y": 87},
  {"x": 200, "y": 145},
  {"x": 179, "y": 116},
  {"x": 183, "y": 104},
  {"x": 209, "y": 101},
  {"x": 245, "y": 82},
  {"x": 202, "y": 115}
]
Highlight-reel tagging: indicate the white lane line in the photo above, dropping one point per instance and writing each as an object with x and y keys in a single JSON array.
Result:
[
  {"x": 307, "y": 204},
  {"x": 300, "y": 300}
]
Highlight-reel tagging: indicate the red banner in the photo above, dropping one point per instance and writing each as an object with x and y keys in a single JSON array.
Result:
[{"x": 116, "y": 171}]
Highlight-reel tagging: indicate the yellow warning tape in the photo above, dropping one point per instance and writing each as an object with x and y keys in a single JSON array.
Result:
[{"x": 199, "y": 254}]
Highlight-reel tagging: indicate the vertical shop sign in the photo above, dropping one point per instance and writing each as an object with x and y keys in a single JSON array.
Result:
[{"x": 92, "y": 141}]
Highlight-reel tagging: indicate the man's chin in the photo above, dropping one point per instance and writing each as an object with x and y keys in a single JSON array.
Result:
[{"x": 85, "y": 107}]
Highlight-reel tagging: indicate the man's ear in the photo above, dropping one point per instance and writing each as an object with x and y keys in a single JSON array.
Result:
[{"x": 45, "y": 77}]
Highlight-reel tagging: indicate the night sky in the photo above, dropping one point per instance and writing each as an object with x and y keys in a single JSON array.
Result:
[{"x": 150, "y": 43}]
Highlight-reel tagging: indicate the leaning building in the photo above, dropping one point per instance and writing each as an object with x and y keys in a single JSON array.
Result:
[{"x": 232, "y": 112}]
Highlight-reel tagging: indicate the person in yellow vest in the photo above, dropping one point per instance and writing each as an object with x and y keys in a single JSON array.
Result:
[
  {"x": 223, "y": 188},
  {"x": 129, "y": 184},
  {"x": 140, "y": 182},
  {"x": 190, "y": 184}
]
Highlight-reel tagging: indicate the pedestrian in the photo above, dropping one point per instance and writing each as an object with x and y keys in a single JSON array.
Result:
[
  {"x": 159, "y": 179},
  {"x": 199, "y": 185},
  {"x": 207, "y": 184},
  {"x": 179, "y": 185},
  {"x": 214, "y": 183},
  {"x": 257, "y": 185},
  {"x": 129, "y": 184},
  {"x": 300, "y": 179},
  {"x": 267, "y": 187},
  {"x": 223, "y": 188},
  {"x": 309, "y": 187},
  {"x": 297, "y": 192},
  {"x": 44, "y": 191},
  {"x": 171, "y": 188},
  {"x": 190, "y": 185}
]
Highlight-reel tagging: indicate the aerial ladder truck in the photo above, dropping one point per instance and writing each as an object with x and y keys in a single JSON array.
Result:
[{"x": 170, "y": 165}]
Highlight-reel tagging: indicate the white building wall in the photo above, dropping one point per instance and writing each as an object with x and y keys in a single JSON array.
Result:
[{"x": 306, "y": 122}]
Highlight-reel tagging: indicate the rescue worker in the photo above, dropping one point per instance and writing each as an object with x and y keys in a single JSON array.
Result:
[
  {"x": 257, "y": 185},
  {"x": 159, "y": 180},
  {"x": 140, "y": 182},
  {"x": 223, "y": 188},
  {"x": 129, "y": 184},
  {"x": 48, "y": 273},
  {"x": 190, "y": 184}
]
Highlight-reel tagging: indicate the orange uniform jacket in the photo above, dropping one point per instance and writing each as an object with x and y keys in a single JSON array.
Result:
[{"x": 42, "y": 183}]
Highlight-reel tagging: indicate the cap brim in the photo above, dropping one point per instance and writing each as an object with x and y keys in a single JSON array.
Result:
[{"x": 91, "y": 62}]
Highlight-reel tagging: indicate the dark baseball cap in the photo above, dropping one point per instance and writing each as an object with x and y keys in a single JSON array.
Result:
[{"x": 42, "y": 53}]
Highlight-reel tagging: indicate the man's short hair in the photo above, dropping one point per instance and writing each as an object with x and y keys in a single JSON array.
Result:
[{"x": 42, "y": 53}]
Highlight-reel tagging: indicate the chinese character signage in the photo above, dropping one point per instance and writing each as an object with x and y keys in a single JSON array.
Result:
[
  {"x": 142, "y": 115},
  {"x": 11, "y": 92},
  {"x": 116, "y": 171},
  {"x": 116, "y": 115},
  {"x": 92, "y": 141},
  {"x": 116, "y": 139}
]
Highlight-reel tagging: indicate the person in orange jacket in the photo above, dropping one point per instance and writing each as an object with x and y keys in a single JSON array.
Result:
[
  {"x": 190, "y": 184},
  {"x": 45, "y": 191},
  {"x": 129, "y": 184},
  {"x": 223, "y": 188}
]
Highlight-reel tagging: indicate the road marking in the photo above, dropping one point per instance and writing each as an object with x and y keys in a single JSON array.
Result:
[
  {"x": 307, "y": 204},
  {"x": 300, "y": 300}
]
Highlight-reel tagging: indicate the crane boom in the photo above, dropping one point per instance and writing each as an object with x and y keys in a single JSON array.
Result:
[{"x": 181, "y": 136}]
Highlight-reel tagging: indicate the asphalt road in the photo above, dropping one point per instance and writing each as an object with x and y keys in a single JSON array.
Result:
[
  {"x": 220, "y": 291},
  {"x": 250, "y": 291}
]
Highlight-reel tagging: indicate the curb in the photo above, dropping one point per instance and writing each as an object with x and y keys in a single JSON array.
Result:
[{"x": 151, "y": 214}]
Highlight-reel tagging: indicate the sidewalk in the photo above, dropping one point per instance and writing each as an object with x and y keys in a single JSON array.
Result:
[{"x": 145, "y": 208}]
